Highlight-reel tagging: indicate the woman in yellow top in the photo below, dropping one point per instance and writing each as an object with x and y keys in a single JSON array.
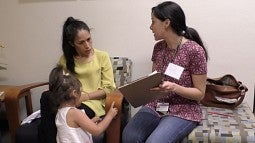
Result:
[{"x": 91, "y": 66}]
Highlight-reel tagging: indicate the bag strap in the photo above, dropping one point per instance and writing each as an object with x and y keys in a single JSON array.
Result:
[
  {"x": 242, "y": 88},
  {"x": 222, "y": 82}
]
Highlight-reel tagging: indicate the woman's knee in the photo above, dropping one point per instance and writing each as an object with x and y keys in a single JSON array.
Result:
[
  {"x": 129, "y": 136},
  {"x": 140, "y": 126}
]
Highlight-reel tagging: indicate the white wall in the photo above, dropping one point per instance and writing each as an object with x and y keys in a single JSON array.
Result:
[{"x": 31, "y": 31}]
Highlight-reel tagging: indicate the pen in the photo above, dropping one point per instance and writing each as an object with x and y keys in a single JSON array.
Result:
[{"x": 227, "y": 115}]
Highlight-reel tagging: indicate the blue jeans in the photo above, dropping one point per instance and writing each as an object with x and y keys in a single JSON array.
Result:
[{"x": 148, "y": 127}]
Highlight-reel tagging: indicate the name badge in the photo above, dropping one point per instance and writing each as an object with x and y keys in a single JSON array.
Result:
[
  {"x": 162, "y": 107},
  {"x": 174, "y": 71}
]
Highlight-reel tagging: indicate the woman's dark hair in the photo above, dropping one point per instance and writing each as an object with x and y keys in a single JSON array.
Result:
[
  {"x": 70, "y": 30},
  {"x": 61, "y": 84},
  {"x": 172, "y": 11}
]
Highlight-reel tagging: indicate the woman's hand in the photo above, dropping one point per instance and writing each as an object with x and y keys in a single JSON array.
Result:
[
  {"x": 165, "y": 86},
  {"x": 85, "y": 96},
  {"x": 96, "y": 119},
  {"x": 194, "y": 93}
]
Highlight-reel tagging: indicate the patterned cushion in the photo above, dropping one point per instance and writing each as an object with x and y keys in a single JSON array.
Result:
[
  {"x": 221, "y": 125},
  {"x": 122, "y": 75},
  {"x": 121, "y": 70}
]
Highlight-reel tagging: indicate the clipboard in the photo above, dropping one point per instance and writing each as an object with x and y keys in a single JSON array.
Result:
[{"x": 138, "y": 92}]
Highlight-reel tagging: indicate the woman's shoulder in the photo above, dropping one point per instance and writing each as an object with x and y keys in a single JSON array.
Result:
[
  {"x": 62, "y": 61},
  {"x": 101, "y": 53},
  {"x": 193, "y": 49},
  {"x": 159, "y": 46},
  {"x": 192, "y": 46},
  {"x": 62, "y": 58}
]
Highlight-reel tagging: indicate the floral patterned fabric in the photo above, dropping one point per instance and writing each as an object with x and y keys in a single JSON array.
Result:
[{"x": 191, "y": 56}]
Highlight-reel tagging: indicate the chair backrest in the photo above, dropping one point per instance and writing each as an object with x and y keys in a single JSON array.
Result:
[{"x": 122, "y": 68}]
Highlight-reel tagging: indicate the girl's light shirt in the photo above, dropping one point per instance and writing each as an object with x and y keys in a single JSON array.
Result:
[{"x": 66, "y": 134}]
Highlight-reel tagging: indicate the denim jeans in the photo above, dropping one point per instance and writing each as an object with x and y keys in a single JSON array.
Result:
[{"x": 148, "y": 127}]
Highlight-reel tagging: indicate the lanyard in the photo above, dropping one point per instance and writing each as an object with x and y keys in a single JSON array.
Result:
[
  {"x": 174, "y": 54},
  {"x": 165, "y": 62}
]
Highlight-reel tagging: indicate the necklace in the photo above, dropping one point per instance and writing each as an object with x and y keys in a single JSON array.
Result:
[
  {"x": 173, "y": 55},
  {"x": 177, "y": 49},
  {"x": 165, "y": 54}
]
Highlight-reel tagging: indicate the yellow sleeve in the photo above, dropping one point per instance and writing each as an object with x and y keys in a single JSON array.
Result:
[{"x": 108, "y": 83}]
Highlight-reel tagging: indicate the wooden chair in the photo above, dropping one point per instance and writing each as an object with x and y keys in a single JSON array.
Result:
[{"x": 122, "y": 75}]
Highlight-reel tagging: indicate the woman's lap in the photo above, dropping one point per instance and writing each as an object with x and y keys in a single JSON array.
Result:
[
  {"x": 147, "y": 127},
  {"x": 137, "y": 129},
  {"x": 171, "y": 129},
  {"x": 89, "y": 112}
]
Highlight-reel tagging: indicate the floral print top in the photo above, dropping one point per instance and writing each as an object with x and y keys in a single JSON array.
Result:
[{"x": 191, "y": 57}]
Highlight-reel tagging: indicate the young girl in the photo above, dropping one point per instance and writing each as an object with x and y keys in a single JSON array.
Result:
[{"x": 73, "y": 125}]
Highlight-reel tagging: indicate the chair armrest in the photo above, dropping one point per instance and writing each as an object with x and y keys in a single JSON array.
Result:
[
  {"x": 113, "y": 132},
  {"x": 15, "y": 92},
  {"x": 11, "y": 102}
]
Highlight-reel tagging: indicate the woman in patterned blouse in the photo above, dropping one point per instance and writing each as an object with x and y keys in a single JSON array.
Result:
[{"x": 181, "y": 55}]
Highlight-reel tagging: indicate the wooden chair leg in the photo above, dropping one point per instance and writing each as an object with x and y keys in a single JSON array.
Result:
[{"x": 28, "y": 100}]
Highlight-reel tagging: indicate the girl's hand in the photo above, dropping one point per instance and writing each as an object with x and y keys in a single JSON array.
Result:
[{"x": 113, "y": 111}]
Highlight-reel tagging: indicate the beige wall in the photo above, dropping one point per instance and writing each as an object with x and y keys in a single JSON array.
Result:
[{"x": 31, "y": 31}]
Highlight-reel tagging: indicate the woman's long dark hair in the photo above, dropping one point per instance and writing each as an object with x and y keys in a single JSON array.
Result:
[
  {"x": 172, "y": 11},
  {"x": 70, "y": 30}
]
